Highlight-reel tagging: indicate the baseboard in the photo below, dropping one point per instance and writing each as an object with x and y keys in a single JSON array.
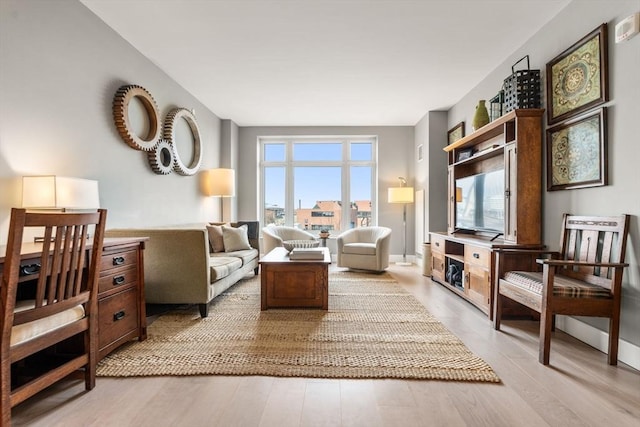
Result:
[{"x": 627, "y": 352}]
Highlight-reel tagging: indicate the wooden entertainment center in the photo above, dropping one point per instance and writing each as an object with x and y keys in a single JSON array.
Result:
[{"x": 463, "y": 260}]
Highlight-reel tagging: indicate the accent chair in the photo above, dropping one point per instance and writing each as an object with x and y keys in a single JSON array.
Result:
[
  {"x": 274, "y": 236},
  {"x": 365, "y": 248}
]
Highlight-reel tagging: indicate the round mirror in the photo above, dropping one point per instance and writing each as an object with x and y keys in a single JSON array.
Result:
[
  {"x": 178, "y": 134},
  {"x": 137, "y": 118},
  {"x": 161, "y": 159}
]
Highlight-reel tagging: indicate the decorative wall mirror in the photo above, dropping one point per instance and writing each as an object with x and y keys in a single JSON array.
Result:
[
  {"x": 122, "y": 101},
  {"x": 162, "y": 158},
  {"x": 171, "y": 124}
]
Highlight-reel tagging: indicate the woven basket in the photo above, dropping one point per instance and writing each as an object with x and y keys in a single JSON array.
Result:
[{"x": 521, "y": 88}]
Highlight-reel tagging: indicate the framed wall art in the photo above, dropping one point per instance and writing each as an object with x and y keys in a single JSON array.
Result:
[
  {"x": 577, "y": 152},
  {"x": 577, "y": 79},
  {"x": 455, "y": 133}
]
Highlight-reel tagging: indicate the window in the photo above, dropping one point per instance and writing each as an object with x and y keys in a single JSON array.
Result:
[{"x": 318, "y": 183}]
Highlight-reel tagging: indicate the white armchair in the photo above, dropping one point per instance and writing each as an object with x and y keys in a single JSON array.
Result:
[
  {"x": 273, "y": 236},
  {"x": 365, "y": 248}
]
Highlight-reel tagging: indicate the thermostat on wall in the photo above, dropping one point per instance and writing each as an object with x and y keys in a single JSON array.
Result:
[{"x": 628, "y": 27}]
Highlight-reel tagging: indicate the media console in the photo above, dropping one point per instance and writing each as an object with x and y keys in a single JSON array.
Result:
[
  {"x": 465, "y": 264},
  {"x": 511, "y": 146}
]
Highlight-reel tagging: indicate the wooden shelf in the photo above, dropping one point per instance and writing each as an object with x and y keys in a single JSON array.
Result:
[
  {"x": 493, "y": 129},
  {"x": 459, "y": 258},
  {"x": 482, "y": 155}
]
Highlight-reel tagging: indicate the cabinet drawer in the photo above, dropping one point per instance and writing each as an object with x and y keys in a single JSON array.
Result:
[
  {"x": 117, "y": 260},
  {"x": 118, "y": 279},
  {"x": 118, "y": 316},
  {"x": 477, "y": 256},
  {"x": 437, "y": 243}
]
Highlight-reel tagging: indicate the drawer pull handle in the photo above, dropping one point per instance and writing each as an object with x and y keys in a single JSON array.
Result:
[
  {"x": 26, "y": 270},
  {"x": 118, "y": 260},
  {"x": 438, "y": 244},
  {"x": 118, "y": 280},
  {"x": 118, "y": 316},
  {"x": 476, "y": 255}
]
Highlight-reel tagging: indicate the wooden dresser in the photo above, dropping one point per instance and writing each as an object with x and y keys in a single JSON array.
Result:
[{"x": 121, "y": 308}]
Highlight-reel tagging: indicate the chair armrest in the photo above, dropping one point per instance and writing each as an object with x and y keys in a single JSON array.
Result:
[
  {"x": 570, "y": 263},
  {"x": 508, "y": 251}
]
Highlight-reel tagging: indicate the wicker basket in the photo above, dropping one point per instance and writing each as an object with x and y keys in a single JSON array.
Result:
[{"x": 521, "y": 88}]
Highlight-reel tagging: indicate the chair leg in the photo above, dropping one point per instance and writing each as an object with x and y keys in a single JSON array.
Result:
[
  {"x": 546, "y": 323},
  {"x": 90, "y": 368},
  {"x": 5, "y": 397},
  {"x": 614, "y": 331},
  {"x": 497, "y": 311}
]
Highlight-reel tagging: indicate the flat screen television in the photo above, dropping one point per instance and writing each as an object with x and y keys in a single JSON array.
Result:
[{"x": 480, "y": 202}]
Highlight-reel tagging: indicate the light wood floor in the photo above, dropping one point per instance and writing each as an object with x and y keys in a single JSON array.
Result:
[{"x": 577, "y": 389}]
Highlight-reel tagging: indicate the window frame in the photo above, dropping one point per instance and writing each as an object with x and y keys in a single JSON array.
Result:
[{"x": 346, "y": 163}]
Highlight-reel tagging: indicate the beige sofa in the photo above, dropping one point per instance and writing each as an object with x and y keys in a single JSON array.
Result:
[{"x": 180, "y": 267}]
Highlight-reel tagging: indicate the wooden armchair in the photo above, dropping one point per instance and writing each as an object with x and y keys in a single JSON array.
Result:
[
  {"x": 63, "y": 304},
  {"x": 584, "y": 278}
]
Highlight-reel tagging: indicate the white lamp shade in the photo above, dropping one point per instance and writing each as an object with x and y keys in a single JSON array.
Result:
[
  {"x": 401, "y": 195},
  {"x": 221, "y": 182},
  {"x": 56, "y": 192}
]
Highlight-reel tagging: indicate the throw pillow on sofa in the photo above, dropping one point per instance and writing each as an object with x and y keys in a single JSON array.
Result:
[
  {"x": 235, "y": 239},
  {"x": 216, "y": 240}
]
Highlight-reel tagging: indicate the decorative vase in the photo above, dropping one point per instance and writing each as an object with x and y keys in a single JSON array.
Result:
[{"x": 481, "y": 116}]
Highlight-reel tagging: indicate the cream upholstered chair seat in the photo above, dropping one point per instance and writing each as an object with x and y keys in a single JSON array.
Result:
[
  {"x": 365, "y": 248},
  {"x": 274, "y": 236},
  {"x": 27, "y": 331}
]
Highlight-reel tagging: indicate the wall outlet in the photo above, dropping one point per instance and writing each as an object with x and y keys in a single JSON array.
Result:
[{"x": 628, "y": 27}]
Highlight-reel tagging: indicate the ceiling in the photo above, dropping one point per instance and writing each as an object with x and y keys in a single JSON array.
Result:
[{"x": 322, "y": 62}]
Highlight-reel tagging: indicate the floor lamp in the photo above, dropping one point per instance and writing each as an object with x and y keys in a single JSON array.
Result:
[
  {"x": 404, "y": 195},
  {"x": 221, "y": 183}
]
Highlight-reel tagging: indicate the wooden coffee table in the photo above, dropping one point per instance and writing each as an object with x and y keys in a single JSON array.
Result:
[{"x": 287, "y": 283}]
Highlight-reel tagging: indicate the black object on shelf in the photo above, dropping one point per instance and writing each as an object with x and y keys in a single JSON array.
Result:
[{"x": 521, "y": 88}]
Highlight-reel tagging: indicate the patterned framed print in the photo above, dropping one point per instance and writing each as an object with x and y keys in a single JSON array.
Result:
[
  {"x": 577, "y": 152},
  {"x": 455, "y": 133},
  {"x": 577, "y": 79}
]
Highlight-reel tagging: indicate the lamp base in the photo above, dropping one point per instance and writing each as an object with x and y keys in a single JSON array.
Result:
[{"x": 404, "y": 264}]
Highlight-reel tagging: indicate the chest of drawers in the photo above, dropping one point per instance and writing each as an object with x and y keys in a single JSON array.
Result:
[{"x": 121, "y": 308}]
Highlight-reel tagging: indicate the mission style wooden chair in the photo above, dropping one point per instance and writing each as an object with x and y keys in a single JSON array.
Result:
[
  {"x": 64, "y": 303},
  {"x": 584, "y": 278}
]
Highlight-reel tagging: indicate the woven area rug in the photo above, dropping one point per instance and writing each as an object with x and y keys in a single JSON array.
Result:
[{"x": 373, "y": 329}]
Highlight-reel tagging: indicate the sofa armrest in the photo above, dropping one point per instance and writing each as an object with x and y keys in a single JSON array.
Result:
[{"x": 176, "y": 264}]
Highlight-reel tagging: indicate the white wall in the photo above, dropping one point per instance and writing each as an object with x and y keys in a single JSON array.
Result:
[
  {"x": 60, "y": 67},
  {"x": 621, "y": 195},
  {"x": 395, "y": 158}
]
